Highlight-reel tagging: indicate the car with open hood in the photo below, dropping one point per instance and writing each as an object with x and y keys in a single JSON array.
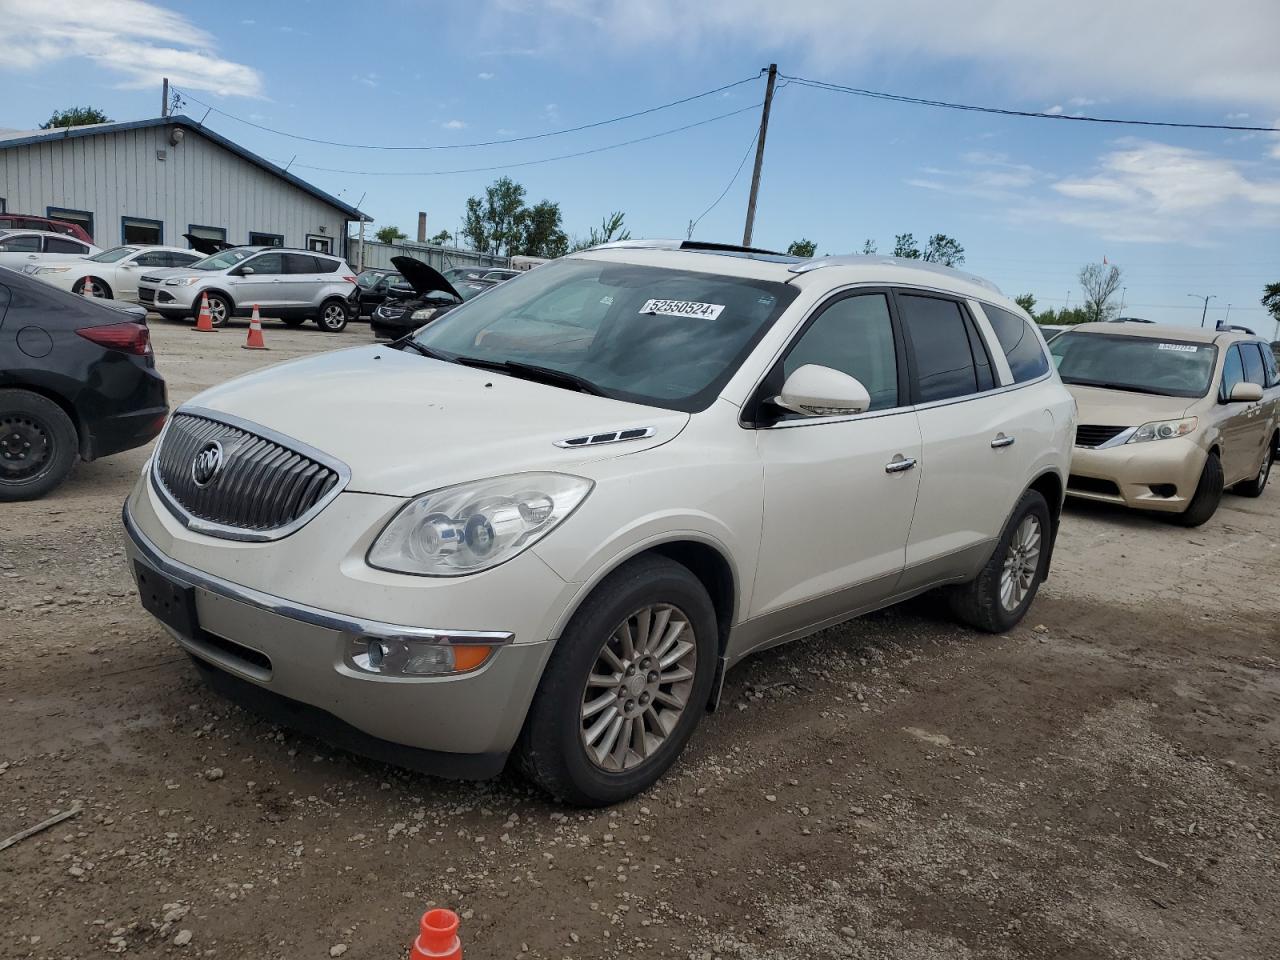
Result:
[
  {"x": 425, "y": 295},
  {"x": 1170, "y": 416},
  {"x": 546, "y": 523}
]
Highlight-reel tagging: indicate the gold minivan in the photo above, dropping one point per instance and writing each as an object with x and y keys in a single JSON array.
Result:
[{"x": 1169, "y": 416}]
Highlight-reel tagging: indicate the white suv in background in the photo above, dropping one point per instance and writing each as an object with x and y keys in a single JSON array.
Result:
[
  {"x": 294, "y": 285},
  {"x": 550, "y": 520}
]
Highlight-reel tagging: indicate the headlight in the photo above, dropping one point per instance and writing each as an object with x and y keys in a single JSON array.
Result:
[
  {"x": 475, "y": 526},
  {"x": 40, "y": 270},
  {"x": 423, "y": 313},
  {"x": 181, "y": 281},
  {"x": 1163, "y": 430}
]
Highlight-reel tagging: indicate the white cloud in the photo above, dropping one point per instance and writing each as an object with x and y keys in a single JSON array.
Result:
[
  {"x": 454, "y": 125},
  {"x": 1233, "y": 117},
  {"x": 138, "y": 40},
  {"x": 1082, "y": 101},
  {"x": 484, "y": 76},
  {"x": 368, "y": 79},
  {"x": 1215, "y": 52},
  {"x": 504, "y": 132},
  {"x": 1055, "y": 110},
  {"x": 551, "y": 112}
]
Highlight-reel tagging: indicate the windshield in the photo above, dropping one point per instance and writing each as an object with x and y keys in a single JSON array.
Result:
[
  {"x": 1167, "y": 368},
  {"x": 669, "y": 338},
  {"x": 472, "y": 288},
  {"x": 223, "y": 259},
  {"x": 370, "y": 278},
  {"x": 114, "y": 254}
]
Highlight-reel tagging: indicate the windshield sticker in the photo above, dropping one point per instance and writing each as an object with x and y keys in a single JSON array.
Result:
[
  {"x": 607, "y": 301},
  {"x": 682, "y": 308},
  {"x": 1180, "y": 347}
]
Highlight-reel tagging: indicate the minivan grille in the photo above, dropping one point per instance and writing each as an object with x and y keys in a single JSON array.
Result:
[
  {"x": 263, "y": 489},
  {"x": 1091, "y": 435}
]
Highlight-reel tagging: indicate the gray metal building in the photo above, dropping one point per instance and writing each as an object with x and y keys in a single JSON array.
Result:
[{"x": 151, "y": 181}]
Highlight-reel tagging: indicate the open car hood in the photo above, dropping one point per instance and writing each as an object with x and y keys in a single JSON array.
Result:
[
  {"x": 424, "y": 279},
  {"x": 206, "y": 245}
]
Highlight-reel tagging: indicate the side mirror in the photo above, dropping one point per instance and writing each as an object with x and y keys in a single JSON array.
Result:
[
  {"x": 1245, "y": 392},
  {"x": 816, "y": 391},
  {"x": 247, "y": 271}
]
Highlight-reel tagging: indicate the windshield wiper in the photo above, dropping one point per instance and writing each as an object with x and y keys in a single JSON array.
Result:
[
  {"x": 531, "y": 371},
  {"x": 1127, "y": 388},
  {"x": 414, "y": 345}
]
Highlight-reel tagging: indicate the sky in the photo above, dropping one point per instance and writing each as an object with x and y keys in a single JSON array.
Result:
[{"x": 1031, "y": 200}]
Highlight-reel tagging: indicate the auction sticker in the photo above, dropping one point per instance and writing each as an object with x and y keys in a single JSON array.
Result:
[
  {"x": 1180, "y": 347},
  {"x": 682, "y": 308}
]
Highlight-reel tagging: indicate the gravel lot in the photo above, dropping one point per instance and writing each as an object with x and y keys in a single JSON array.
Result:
[{"x": 1101, "y": 782}]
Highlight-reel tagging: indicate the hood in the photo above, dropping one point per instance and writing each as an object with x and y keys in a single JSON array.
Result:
[
  {"x": 205, "y": 245},
  {"x": 422, "y": 278},
  {"x": 406, "y": 424},
  {"x": 1120, "y": 408},
  {"x": 161, "y": 273}
]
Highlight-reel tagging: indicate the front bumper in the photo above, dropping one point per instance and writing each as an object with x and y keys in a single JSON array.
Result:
[
  {"x": 290, "y": 660},
  {"x": 1159, "y": 475}
]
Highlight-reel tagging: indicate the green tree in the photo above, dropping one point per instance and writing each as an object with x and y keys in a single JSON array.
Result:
[
  {"x": 802, "y": 248},
  {"x": 868, "y": 247},
  {"x": 611, "y": 229},
  {"x": 1271, "y": 300},
  {"x": 1100, "y": 282},
  {"x": 441, "y": 238},
  {"x": 75, "y": 117},
  {"x": 390, "y": 235},
  {"x": 1027, "y": 302},
  {"x": 904, "y": 245},
  {"x": 540, "y": 231},
  {"x": 494, "y": 222},
  {"x": 944, "y": 250}
]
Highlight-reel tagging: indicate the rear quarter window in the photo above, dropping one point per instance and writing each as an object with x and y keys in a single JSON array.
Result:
[
  {"x": 326, "y": 265},
  {"x": 1019, "y": 342}
]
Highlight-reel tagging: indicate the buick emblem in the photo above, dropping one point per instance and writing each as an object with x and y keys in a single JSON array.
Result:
[{"x": 207, "y": 463}]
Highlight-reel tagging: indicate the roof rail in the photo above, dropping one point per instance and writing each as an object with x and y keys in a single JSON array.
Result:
[
  {"x": 698, "y": 246},
  {"x": 862, "y": 260}
]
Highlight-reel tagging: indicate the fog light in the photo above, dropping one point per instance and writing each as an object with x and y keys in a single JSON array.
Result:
[{"x": 411, "y": 657}]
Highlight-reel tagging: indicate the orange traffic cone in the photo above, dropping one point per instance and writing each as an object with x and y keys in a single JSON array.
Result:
[
  {"x": 87, "y": 289},
  {"x": 254, "y": 340},
  {"x": 204, "y": 323},
  {"x": 437, "y": 937}
]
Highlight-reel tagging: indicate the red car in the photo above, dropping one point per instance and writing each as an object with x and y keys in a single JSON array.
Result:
[{"x": 24, "y": 221}]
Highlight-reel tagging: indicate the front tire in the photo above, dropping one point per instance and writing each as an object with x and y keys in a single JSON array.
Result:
[
  {"x": 1256, "y": 486},
  {"x": 626, "y": 685},
  {"x": 1204, "y": 503},
  {"x": 333, "y": 316},
  {"x": 219, "y": 310},
  {"x": 101, "y": 289},
  {"x": 38, "y": 445},
  {"x": 999, "y": 597}
]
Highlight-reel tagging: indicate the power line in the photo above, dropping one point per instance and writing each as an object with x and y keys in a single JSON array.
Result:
[
  {"x": 732, "y": 180},
  {"x": 483, "y": 143},
  {"x": 528, "y": 163},
  {"x": 1003, "y": 111}
]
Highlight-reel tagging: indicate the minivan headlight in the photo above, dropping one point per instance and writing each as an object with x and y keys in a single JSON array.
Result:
[
  {"x": 475, "y": 526},
  {"x": 1163, "y": 430}
]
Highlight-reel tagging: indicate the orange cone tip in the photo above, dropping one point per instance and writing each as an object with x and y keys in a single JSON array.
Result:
[{"x": 437, "y": 937}]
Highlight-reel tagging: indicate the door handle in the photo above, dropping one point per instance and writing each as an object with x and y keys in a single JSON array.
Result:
[
  {"x": 1001, "y": 441},
  {"x": 899, "y": 463}
]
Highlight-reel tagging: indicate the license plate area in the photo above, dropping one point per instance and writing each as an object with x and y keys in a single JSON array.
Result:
[{"x": 173, "y": 604}]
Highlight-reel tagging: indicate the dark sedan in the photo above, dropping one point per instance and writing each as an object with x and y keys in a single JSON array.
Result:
[
  {"x": 77, "y": 379},
  {"x": 429, "y": 295}
]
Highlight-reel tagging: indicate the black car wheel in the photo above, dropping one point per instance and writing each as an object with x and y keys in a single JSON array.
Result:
[
  {"x": 333, "y": 316},
  {"x": 37, "y": 445},
  {"x": 100, "y": 288}
]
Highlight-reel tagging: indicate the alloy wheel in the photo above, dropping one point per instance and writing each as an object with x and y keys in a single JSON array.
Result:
[
  {"x": 217, "y": 311},
  {"x": 334, "y": 317},
  {"x": 638, "y": 687},
  {"x": 1021, "y": 563}
]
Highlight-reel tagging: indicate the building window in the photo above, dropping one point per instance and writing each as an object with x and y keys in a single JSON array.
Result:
[
  {"x": 81, "y": 218},
  {"x": 265, "y": 239},
  {"x": 207, "y": 233},
  {"x": 319, "y": 244},
  {"x": 141, "y": 230},
  {"x": 3, "y": 205}
]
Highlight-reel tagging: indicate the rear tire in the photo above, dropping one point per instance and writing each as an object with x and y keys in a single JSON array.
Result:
[
  {"x": 1204, "y": 503},
  {"x": 333, "y": 316},
  {"x": 101, "y": 289},
  {"x": 1256, "y": 486},
  {"x": 38, "y": 445},
  {"x": 645, "y": 598},
  {"x": 999, "y": 597}
]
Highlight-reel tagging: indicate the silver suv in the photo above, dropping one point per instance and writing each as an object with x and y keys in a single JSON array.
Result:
[{"x": 294, "y": 285}]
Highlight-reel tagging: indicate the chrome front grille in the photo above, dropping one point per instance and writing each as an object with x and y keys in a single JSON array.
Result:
[{"x": 238, "y": 480}]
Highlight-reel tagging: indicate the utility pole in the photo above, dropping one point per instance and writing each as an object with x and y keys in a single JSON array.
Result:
[
  {"x": 1227, "y": 319},
  {"x": 1206, "y": 299},
  {"x": 164, "y": 98},
  {"x": 360, "y": 255},
  {"x": 755, "y": 175},
  {"x": 1123, "y": 292}
]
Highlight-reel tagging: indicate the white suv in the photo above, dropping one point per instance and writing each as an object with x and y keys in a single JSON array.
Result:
[
  {"x": 548, "y": 522},
  {"x": 294, "y": 285}
]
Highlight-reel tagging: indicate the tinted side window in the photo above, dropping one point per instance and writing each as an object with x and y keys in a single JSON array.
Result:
[
  {"x": 1020, "y": 344},
  {"x": 156, "y": 258},
  {"x": 20, "y": 245},
  {"x": 1254, "y": 371},
  {"x": 267, "y": 263},
  {"x": 181, "y": 259},
  {"x": 299, "y": 263},
  {"x": 936, "y": 330},
  {"x": 1232, "y": 371},
  {"x": 1273, "y": 368},
  {"x": 855, "y": 336},
  {"x": 58, "y": 245},
  {"x": 325, "y": 265}
]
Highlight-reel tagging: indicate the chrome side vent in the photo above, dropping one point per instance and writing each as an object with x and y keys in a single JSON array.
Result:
[{"x": 611, "y": 436}]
